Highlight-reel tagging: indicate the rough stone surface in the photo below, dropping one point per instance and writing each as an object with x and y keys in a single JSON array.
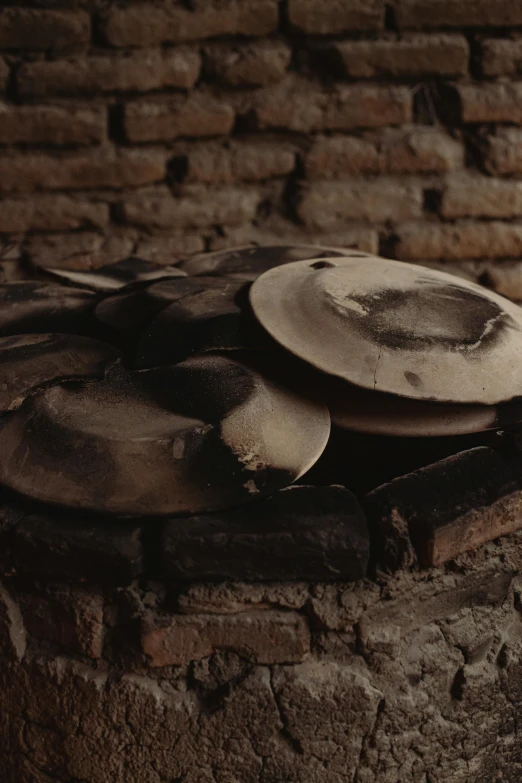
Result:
[
  {"x": 59, "y": 31},
  {"x": 260, "y": 63},
  {"x": 53, "y": 125},
  {"x": 335, "y": 16},
  {"x": 198, "y": 116}
]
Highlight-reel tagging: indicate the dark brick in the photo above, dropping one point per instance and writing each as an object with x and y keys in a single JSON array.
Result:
[
  {"x": 501, "y": 57},
  {"x": 260, "y": 63},
  {"x": 198, "y": 115},
  {"x": 51, "y": 213},
  {"x": 447, "y": 508},
  {"x": 78, "y": 550},
  {"x": 335, "y": 16},
  {"x": 491, "y": 102},
  {"x": 236, "y": 162},
  {"x": 316, "y": 533},
  {"x": 419, "y": 14},
  {"x": 60, "y": 31},
  {"x": 54, "y": 125}
]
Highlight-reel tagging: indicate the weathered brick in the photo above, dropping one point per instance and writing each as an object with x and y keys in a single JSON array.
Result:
[
  {"x": 52, "y": 125},
  {"x": 266, "y": 636},
  {"x": 419, "y": 14},
  {"x": 326, "y": 205},
  {"x": 357, "y": 236},
  {"x": 492, "y": 239},
  {"x": 168, "y": 248},
  {"x": 335, "y": 16},
  {"x": 71, "y": 617},
  {"x": 260, "y": 63},
  {"x": 473, "y": 196},
  {"x": 79, "y": 250},
  {"x": 100, "y": 168},
  {"x": 218, "y": 164},
  {"x": 198, "y": 115},
  {"x": 298, "y": 106},
  {"x": 413, "y": 56},
  {"x": 60, "y": 31},
  {"x": 420, "y": 508},
  {"x": 501, "y": 57},
  {"x": 504, "y": 277},
  {"x": 147, "y": 24},
  {"x": 316, "y": 533},
  {"x": 51, "y": 213},
  {"x": 78, "y": 550},
  {"x": 404, "y": 151},
  {"x": 491, "y": 102},
  {"x": 197, "y": 207},
  {"x": 504, "y": 152},
  {"x": 137, "y": 72},
  {"x": 4, "y": 74}
]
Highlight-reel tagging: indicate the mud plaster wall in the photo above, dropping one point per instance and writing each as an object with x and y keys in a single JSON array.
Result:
[{"x": 171, "y": 127}]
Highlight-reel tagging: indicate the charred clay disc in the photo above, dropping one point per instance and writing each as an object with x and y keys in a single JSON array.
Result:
[
  {"x": 128, "y": 272},
  {"x": 247, "y": 263},
  {"x": 394, "y": 327},
  {"x": 206, "y": 434},
  {"x": 42, "y": 307},
  {"x": 30, "y": 361},
  {"x": 360, "y": 410},
  {"x": 216, "y": 318}
]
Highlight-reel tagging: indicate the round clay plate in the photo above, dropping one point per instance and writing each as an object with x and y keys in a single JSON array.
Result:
[
  {"x": 394, "y": 327},
  {"x": 360, "y": 410},
  {"x": 206, "y": 434}
]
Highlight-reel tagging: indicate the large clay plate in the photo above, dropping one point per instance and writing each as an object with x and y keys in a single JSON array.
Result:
[
  {"x": 206, "y": 434},
  {"x": 394, "y": 327}
]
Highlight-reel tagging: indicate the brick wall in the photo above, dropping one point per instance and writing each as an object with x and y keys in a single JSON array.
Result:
[{"x": 173, "y": 127}]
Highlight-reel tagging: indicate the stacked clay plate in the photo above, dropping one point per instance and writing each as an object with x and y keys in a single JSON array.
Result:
[{"x": 142, "y": 390}]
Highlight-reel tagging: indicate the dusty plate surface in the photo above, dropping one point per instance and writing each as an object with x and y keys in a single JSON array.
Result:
[
  {"x": 247, "y": 263},
  {"x": 394, "y": 327},
  {"x": 42, "y": 307},
  {"x": 129, "y": 271},
  {"x": 206, "y": 434}
]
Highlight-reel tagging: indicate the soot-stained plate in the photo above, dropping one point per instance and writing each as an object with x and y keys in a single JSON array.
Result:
[
  {"x": 206, "y": 434},
  {"x": 42, "y": 307},
  {"x": 127, "y": 272},
  {"x": 360, "y": 410},
  {"x": 247, "y": 263},
  {"x": 394, "y": 327},
  {"x": 30, "y": 361}
]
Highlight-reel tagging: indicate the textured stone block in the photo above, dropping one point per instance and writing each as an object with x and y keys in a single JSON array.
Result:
[
  {"x": 147, "y": 24},
  {"x": 260, "y": 63},
  {"x": 71, "y": 617},
  {"x": 335, "y": 16},
  {"x": 472, "y": 196},
  {"x": 504, "y": 152},
  {"x": 491, "y": 102},
  {"x": 466, "y": 13},
  {"x": 266, "y": 637},
  {"x": 218, "y": 164},
  {"x": 60, "y": 31},
  {"x": 501, "y": 57},
  {"x": 78, "y": 550},
  {"x": 326, "y": 205},
  {"x": 413, "y": 56},
  {"x": 51, "y": 213},
  {"x": 298, "y": 106},
  {"x": 447, "y": 508},
  {"x": 79, "y": 250},
  {"x": 460, "y": 240},
  {"x": 358, "y": 236},
  {"x": 52, "y": 125},
  {"x": 196, "y": 208},
  {"x": 138, "y": 72},
  {"x": 198, "y": 115},
  {"x": 316, "y": 533},
  {"x": 100, "y": 168}
]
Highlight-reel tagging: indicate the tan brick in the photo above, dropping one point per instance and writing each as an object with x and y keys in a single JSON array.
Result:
[
  {"x": 52, "y": 125},
  {"x": 70, "y": 617},
  {"x": 416, "y": 55},
  {"x": 80, "y": 250},
  {"x": 470, "y": 196},
  {"x": 491, "y": 102},
  {"x": 404, "y": 151},
  {"x": 299, "y": 106},
  {"x": 472, "y": 240},
  {"x": 260, "y": 63},
  {"x": 169, "y": 247},
  {"x": 145, "y": 24},
  {"x": 100, "y": 168},
  {"x": 504, "y": 153},
  {"x": 361, "y": 237},
  {"x": 198, "y": 115},
  {"x": 417, "y": 14},
  {"x": 50, "y": 213},
  {"x": 504, "y": 277},
  {"x": 265, "y": 636},
  {"x": 138, "y": 72},
  {"x": 197, "y": 207},
  {"x": 4, "y": 74},
  {"x": 335, "y": 16},
  {"x": 326, "y": 205},
  {"x": 60, "y": 31},
  {"x": 501, "y": 57},
  {"x": 219, "y": 164}
]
